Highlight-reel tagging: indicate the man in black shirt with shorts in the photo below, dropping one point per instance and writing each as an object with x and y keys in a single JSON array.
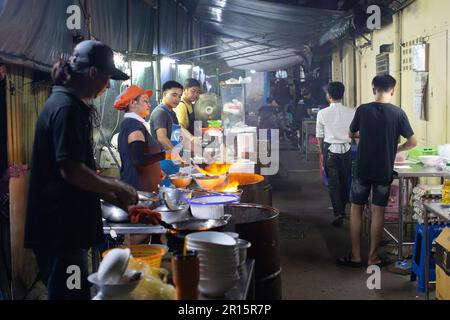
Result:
[{"x": 378, "y": 126}]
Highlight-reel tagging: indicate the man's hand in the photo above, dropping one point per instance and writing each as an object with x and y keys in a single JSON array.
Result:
[
  {"x": 175, "y": 156},
  {"x": 123, "y": 195},
  {"x": 144, "y": 215},
  {"x": 111, "y": 198},
  {"x": 354, "y": 135}
]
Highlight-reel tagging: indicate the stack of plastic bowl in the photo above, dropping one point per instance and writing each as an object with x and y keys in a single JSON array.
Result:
[
  {"x": 211, "y": 206},
  {"x": 219, "y": 260}
]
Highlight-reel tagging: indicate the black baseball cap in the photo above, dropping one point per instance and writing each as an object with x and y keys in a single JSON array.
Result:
[{"x": 96, "y": 54}]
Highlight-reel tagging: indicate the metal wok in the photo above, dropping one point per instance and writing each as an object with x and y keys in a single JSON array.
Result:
[
  {"x": 113, "y": 213},
  {"x": 196, "y": 225}
]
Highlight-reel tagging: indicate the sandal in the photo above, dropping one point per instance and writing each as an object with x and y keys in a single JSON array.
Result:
[
  {"x": 384, "y": 261},
  {"x": 348, "y": 262}
]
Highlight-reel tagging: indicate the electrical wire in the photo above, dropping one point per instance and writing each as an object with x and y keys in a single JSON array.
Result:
[
  {"x": 117, "y": 124},
  {"x": 118, "y": 113}
]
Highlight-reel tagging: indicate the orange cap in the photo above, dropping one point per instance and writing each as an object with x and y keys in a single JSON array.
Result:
[{"x": 124, "y": 99}]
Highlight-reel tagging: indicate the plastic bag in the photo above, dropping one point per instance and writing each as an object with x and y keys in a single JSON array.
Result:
[{"x": 153, "y": 284}]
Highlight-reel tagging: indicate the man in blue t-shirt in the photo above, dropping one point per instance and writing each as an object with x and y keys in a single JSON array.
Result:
[{"x": 378, "y": 126}]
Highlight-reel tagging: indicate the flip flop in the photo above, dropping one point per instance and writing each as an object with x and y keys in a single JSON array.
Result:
[
  {"x": 384, "y": 261},
  {"x": 347, "y": 262}
]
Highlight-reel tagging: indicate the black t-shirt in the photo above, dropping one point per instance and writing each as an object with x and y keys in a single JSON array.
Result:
[
  {"x": 380, "y": 126},
  {"x": 60, "y": 215}
]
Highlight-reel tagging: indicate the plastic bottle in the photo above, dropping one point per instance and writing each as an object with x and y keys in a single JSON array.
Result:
[{"x": 446, "y": 187}]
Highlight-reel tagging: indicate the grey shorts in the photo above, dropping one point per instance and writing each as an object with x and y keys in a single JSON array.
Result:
[{"x": 361, "y": 190}]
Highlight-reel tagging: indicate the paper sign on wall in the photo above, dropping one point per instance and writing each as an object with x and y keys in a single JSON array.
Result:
[{"x": 420, "y": 88}]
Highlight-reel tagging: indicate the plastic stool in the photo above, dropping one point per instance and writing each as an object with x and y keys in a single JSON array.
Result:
[{"x": 418, "y": 261}]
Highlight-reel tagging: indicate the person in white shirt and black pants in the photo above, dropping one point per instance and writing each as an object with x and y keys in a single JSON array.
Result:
[{"x": 335, "y": 147}]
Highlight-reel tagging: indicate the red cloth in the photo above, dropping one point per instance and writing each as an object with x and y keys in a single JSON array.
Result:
[{"x": 144, "y": 215}]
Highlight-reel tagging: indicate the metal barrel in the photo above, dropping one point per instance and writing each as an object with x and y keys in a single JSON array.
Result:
[
  {"x": 255, "y": 188},
  {"x": 259, "y": 225}
]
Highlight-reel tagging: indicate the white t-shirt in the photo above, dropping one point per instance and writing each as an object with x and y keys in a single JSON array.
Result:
[{"x": 333, "y": 124}]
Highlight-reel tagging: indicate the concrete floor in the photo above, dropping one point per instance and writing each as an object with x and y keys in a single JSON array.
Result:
[{"x": 310, "y": 245}]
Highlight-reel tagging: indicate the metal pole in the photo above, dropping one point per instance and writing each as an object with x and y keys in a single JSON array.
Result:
[
  {"x": 129, "y": 33},
  {"x": 218, "y": 82},
  {"x": 355, "y": 76},
  {"x": 407, "y": 201},
  {"x": 158, "y": 57},
  {"x": 214, "y": 45},
  {"x": 222, "y": 51},
  {"x": 427, "y": 262},
  {"x": 129, "y": 39},
  {"x": 253, "y": 62},
  {"x": 251, "y": 54},
  {"x": 89, "y": 19},
  {"x": 400, "y": 218}
]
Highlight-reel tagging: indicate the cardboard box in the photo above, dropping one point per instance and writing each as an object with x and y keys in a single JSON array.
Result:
[{"x": 443, "y": 265}]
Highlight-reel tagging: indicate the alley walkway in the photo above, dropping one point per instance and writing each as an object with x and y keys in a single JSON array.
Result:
[{"x": 310, "y": 245}]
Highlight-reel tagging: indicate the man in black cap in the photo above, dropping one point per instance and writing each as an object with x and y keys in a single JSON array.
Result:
[{"x": 64, "y": 215}]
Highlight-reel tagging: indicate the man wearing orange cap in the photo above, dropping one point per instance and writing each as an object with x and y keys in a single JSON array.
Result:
[{"x": 139, "y": 151}]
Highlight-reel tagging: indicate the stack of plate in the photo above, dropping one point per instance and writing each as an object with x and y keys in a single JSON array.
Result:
[{"x": 219, "y": 260}]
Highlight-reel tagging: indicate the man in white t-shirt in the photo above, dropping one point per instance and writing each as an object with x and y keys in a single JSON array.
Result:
[{"x": 333, "y": 124}]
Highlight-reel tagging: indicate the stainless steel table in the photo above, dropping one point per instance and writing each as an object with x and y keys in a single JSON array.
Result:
[
  {"x": 129, "y": 228},
  {"x": 244, "y": 288},
  {"x": 442, "y": 211},
  {"x": 309, "y": 130},
  {"x": 404, "y": 174}
]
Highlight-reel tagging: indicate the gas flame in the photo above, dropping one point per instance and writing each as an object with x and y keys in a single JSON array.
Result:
[
  {"x": 216, "y": 168},
  {"x": 231, "y": 187}
]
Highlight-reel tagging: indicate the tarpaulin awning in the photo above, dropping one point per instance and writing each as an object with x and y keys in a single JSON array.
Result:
[
  {"x": 267, "y": 35},
  {"x": 34, "y": 33}
]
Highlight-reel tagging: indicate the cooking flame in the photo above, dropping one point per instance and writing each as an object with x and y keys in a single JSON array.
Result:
[
  {"x": 232, "y": 187},
  {"x": 216, "y": 168}
]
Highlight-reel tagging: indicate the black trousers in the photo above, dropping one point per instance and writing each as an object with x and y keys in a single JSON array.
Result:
[
  {"x": 338, "y": 170},
  {"x": 58, "y": 275}
]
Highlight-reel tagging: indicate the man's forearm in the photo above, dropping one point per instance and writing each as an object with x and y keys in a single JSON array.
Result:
[
  {"x": 404, "y": 147},
  {"x": 165, "y": 142},
  {"x": 409, "y": 144},
  {"x": 320, "y": 144},
  {"x": 79, "y": 175}
]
